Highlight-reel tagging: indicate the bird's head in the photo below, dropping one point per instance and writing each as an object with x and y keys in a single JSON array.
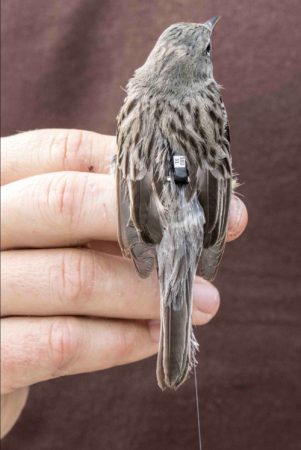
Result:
[{"x": 183, "y": 52}]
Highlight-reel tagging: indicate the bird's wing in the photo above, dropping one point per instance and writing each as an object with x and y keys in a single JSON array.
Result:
[
  {"x": 214, "y": 192},
  {"x": 215, "y": 195},
  {"x": 140, "y": 210}
]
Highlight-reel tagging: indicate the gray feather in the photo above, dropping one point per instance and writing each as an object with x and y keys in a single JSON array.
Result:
[
  {"x": 178, "y": 254},
  {"x": 131, "y": 244}
]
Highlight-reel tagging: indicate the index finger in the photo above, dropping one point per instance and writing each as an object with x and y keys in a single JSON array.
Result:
[{"x": 55, "y": 150}]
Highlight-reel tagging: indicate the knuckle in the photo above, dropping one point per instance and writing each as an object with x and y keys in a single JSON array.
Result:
[
  {"x": 76, "y": 277},
  {"x": 64, "y": 343},
  {"x": 67, "y": 148},
  {"x": 65, "y": 195}
]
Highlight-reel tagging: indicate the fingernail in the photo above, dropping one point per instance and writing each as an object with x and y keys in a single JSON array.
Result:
[
  {"x": 206, "y": 297},
  {"x": 154, "y": 330}
]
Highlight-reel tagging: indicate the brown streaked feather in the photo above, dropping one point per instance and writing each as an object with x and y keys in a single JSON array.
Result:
[{"x": 216, "y": 196}]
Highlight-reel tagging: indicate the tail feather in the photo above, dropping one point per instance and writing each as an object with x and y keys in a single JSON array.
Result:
[{"x": 178, "y": 254}]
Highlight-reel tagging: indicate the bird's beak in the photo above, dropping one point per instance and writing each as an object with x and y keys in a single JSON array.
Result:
[{"x": 210, "y": 24}]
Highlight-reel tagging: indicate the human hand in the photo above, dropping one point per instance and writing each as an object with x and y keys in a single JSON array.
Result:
[{"x": 70, "y": 302}]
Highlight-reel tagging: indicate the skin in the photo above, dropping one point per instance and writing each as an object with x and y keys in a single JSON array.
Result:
[{"x": 65, "y": 309}]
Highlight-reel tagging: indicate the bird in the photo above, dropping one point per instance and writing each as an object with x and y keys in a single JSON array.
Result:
[{"x": 174, "y": 181}]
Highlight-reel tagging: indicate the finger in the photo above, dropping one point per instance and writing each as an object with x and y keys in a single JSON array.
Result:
[
  {"x": 37, "y": 349},
  {"x": 58, "y": 209},
  {"x": 11, "y": 408},
  {"x": 70, "y": 208},
  {"x": 238, "y": 219},
  {"x": 54, "y": 150},
  {"x": 110, "y": 247},
  {"x": 84, "y": 282}
]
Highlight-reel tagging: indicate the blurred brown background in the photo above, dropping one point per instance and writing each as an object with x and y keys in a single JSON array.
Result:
[{"x": 63, "y": 65}]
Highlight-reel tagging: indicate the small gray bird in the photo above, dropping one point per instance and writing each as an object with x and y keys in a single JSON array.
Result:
[{"x": 174, "y": 181}]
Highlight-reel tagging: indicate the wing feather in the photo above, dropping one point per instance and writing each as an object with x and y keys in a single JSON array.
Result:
[
  {"x": 215, "y": 190},
  {"x": 131, "y": 244}
]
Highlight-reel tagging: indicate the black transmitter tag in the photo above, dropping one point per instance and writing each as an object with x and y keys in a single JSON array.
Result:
[{"x": 180, "y": 169}]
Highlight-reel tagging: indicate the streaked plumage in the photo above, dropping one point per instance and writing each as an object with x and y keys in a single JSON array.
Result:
[{"x": 174, "y": 181}]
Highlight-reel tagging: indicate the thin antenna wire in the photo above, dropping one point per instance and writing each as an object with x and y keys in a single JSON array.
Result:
[
  {"x": 169, "y": 332},
  {"x": 197, "y": 407}
]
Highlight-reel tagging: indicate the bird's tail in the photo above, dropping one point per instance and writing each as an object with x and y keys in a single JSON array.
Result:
[{"x": 177, "y": 255}]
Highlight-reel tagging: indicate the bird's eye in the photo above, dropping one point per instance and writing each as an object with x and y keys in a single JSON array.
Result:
[{"x": 208, "y": 49}]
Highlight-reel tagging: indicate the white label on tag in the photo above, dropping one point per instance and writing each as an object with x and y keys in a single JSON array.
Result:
[{"x": 179, "y": 162}]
